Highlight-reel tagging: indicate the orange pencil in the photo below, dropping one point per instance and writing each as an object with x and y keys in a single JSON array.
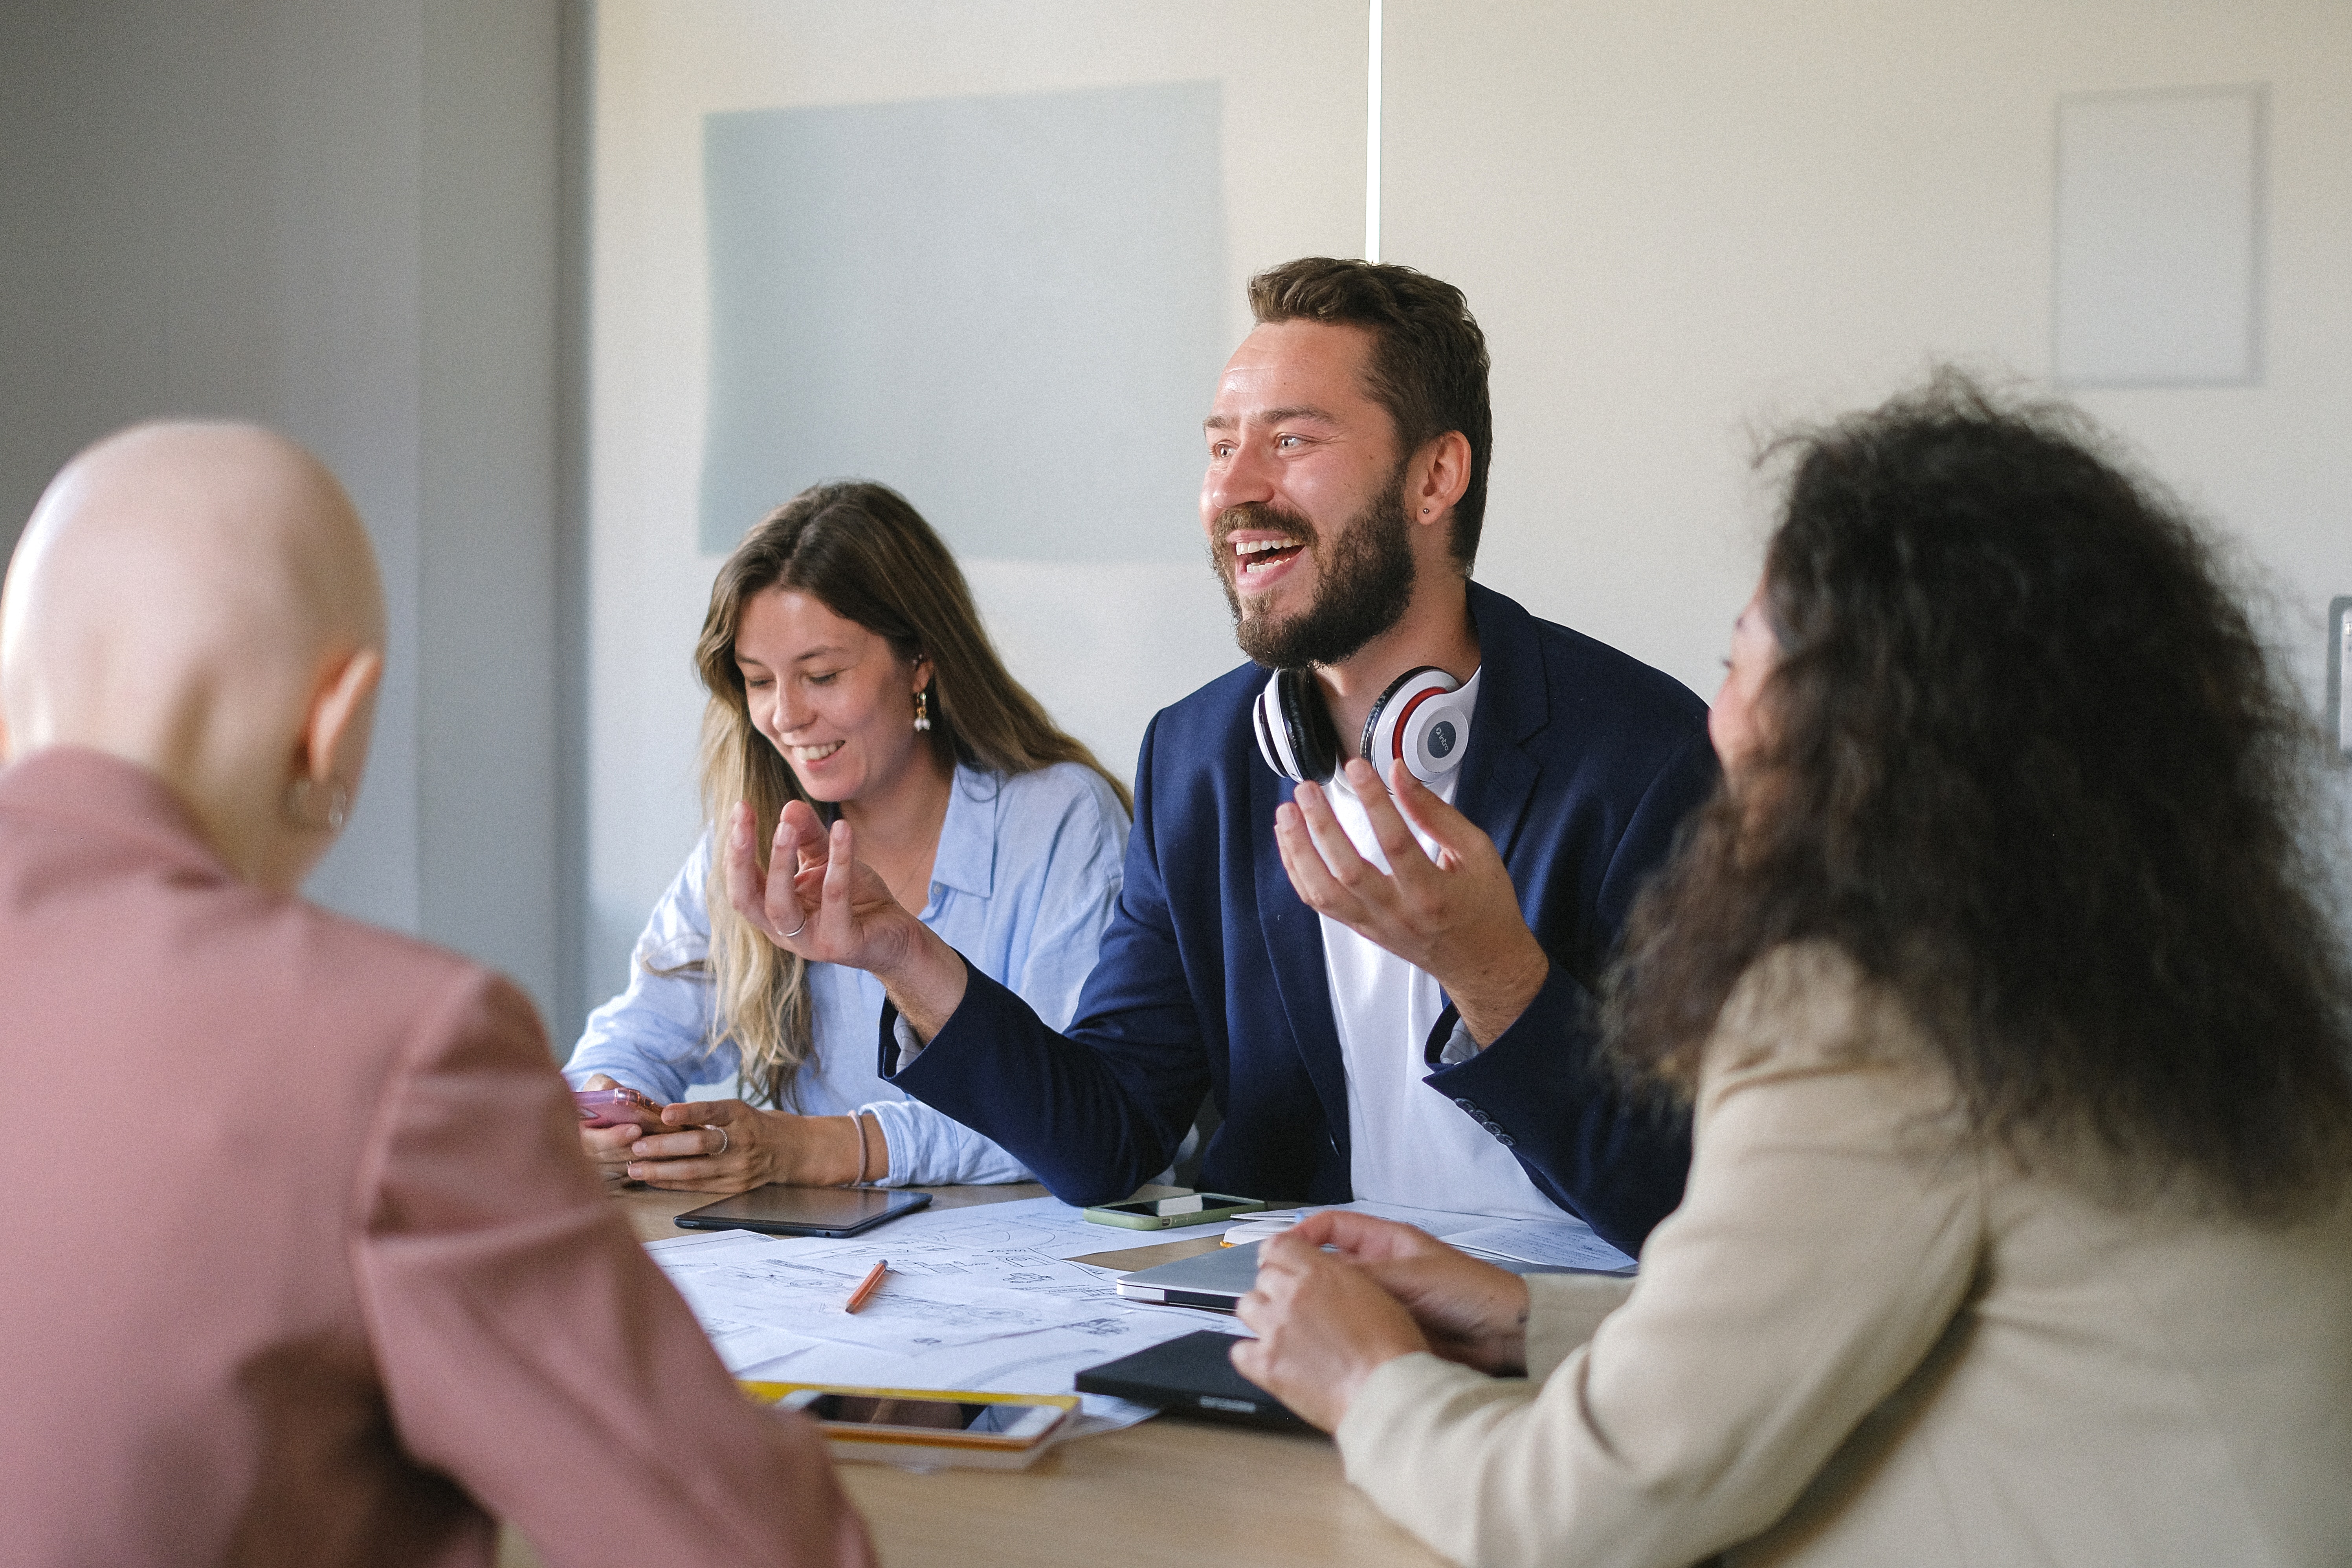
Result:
[{"x": 868, "y": 1286}]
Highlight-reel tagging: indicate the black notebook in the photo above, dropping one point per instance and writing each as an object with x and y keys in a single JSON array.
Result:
[{"x": 1191, "y": 1376}]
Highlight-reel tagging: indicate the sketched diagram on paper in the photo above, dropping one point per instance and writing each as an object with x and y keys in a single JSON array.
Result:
[
  {"x": 1046, "y": 1361},
  {"x": 903, "y": 1317},
  {"x": 1010, "y": 1257},
  {"x": 1011, "y": 1267}
]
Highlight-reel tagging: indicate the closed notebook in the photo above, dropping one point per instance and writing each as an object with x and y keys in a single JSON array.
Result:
[{"x": 1191, "y": 1376}]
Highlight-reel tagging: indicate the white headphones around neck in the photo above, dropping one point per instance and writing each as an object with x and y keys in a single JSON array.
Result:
[{"x": 1421, "y": 720}]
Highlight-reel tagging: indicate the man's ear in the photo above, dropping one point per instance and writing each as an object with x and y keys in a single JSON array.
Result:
[
  {"x": 1439, "y": 473},
  {"x": 342, "y": 711}
]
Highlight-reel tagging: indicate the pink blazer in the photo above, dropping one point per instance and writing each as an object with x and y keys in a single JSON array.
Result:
[{"x": 303, "y": 1263}]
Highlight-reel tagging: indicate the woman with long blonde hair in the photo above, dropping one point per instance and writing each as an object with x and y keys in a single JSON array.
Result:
[{"x": 847, "y": 668}]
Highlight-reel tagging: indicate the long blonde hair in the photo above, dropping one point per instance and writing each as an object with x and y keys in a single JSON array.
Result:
[{"x": 867, "y": 555}]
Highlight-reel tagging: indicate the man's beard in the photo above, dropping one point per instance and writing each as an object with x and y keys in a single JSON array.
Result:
[{"x": 1362, "y": 586}]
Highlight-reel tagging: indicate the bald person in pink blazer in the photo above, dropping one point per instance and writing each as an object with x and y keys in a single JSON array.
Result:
[{"x": 316, "y": 1273}]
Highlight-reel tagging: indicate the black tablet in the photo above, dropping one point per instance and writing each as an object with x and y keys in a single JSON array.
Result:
[
  {"x": 781, "y": 1210},
  {"x": 1191, "y": 1376}
]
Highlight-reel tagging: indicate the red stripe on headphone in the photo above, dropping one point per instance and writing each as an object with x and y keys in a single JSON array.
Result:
[{"x": 1396, "y": 736}]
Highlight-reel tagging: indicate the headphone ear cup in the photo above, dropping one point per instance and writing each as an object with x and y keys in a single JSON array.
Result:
[
  {"x": 1273, "y": 737},
  {"x": 1418, "y": 721},
  {"x": 1434, "y": 735},
  {"x": 1307, "y": 723}
]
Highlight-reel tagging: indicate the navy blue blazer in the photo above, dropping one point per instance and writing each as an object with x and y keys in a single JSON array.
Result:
[{"x": 1581, "y": 763}]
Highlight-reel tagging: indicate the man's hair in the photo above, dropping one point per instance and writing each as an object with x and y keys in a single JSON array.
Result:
[
  {"x": 1428, "y": 364},
  {"x": 2022, "y": 757}
]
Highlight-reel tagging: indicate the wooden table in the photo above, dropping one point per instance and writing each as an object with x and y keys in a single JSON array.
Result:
[{"x": 1173, "y": 1492}]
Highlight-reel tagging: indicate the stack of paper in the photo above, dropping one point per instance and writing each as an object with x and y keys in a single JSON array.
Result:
[
  {"x": 1563, "y": 1242},
  {"x": 988, "y": 1296},
  {"x": 980, "y": 1297}
]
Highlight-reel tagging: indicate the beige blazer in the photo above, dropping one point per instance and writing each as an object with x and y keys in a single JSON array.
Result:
[
  {"x": 303, "y": 1263},
  {"x": 1860, "y": 1342}
]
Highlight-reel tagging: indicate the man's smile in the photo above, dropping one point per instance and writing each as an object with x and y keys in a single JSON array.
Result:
[
  {"x": 1255, "y": 558},
  {"x": 1262, "y": 554}
]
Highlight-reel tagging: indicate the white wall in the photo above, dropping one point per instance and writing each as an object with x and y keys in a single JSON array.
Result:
[
  {"x": 337, "y": 218},
  {"x": 1682, "y": 225},
  {"x": 1683, "y": 229},
  {"x": 1103, "y": 643},
  {"x": 1678, "y": 225},
  {"x": 211, "y": 210}
]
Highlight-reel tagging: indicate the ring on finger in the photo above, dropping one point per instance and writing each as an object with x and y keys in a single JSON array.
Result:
[
  {"x": 797, "y": 930},
  {"x": 723, "y": 1141}
]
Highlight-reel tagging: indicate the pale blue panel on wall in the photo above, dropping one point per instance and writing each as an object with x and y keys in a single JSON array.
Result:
[
  {"x": 2158, "y": 239},
  {"x": 1008, "y": 308}
]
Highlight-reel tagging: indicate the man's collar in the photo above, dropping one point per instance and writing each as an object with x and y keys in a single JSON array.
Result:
[{"x": 1513, "y": 690}]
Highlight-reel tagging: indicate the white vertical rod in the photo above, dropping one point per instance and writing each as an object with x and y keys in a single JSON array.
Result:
[{"x": 1373, "y": 145}]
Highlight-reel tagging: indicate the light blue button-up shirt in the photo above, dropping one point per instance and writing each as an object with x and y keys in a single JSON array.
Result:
[{"x": 1026, "y": 878}]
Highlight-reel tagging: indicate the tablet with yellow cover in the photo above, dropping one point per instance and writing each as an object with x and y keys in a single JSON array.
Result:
[{"x": 923, "y": 1427}]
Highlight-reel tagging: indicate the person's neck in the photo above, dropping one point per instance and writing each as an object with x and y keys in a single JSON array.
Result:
[
  {"x": 897, "y": 825},
  {"x": 1434, "y": 630},
  {"x": 207, "y": 754}
]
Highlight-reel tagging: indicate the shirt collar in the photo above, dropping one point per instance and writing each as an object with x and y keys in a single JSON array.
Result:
[
  {"x": 966, "y": 860},
  {"x": 115, "y": 798}
]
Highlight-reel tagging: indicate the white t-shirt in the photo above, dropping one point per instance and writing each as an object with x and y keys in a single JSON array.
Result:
[{"x": 1406, "y": 1142}]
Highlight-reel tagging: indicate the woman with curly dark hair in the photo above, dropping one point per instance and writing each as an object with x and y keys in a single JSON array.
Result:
[{"x": 2002, "y": 978}]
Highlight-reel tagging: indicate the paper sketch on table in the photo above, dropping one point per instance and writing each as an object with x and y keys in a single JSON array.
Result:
[
  {"x": 912, "y": 1312},
  {"x": 1043, "y": 1225},
  {"x": 1443, "y": 1223},
  {"x": 772, "y": 1305},
  {"x": 1046, "y": 1362},
  {"x": 1560, "y": 1243},
  {"x": 987, "y": 1261}
]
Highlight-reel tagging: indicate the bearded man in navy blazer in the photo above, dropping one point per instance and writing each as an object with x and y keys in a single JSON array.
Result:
[{"x": 1331, "y": 965}]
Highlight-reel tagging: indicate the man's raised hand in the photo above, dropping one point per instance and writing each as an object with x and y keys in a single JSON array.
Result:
[{"x": 1454, "y": 916}]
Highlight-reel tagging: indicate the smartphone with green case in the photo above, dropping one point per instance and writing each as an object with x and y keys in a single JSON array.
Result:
[{"x": 1174, "y": 1213}]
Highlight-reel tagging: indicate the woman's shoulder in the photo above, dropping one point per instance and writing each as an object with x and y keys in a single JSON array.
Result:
[
  {"x": 1057, "y": 790},
  {"x": 677, "y": 931},
  {"x": 1808, "y": 1006}
]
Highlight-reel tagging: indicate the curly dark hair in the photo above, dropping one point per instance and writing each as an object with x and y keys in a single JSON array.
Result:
[
  {"x": 2022, "y": 758},
  {"x": 1428, "y": 362}
]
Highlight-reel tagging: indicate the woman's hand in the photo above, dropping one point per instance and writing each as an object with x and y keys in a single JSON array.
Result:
[
  {"x": 831, "y": 909},
  {"x": 1455, "y": 917},
  {"x": 835, "y": 908},
  {"x": 607, "y": 1148},
  {"x": 725, "y": 1146},
  {"x": 1470, "y": 1311},
  {"x": 1323, "y": 1325}
]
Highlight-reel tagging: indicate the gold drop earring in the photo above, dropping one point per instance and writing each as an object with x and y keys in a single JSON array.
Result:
[{"x": 922, "y": 710}]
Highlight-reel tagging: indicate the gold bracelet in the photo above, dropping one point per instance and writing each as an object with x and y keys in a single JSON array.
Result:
[{"x": 857, "y": 1121}]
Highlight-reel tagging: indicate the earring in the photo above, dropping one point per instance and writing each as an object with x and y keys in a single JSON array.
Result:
[
  {"x": 922, "y": 710},
  {"x": 298, "y": 807}
]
